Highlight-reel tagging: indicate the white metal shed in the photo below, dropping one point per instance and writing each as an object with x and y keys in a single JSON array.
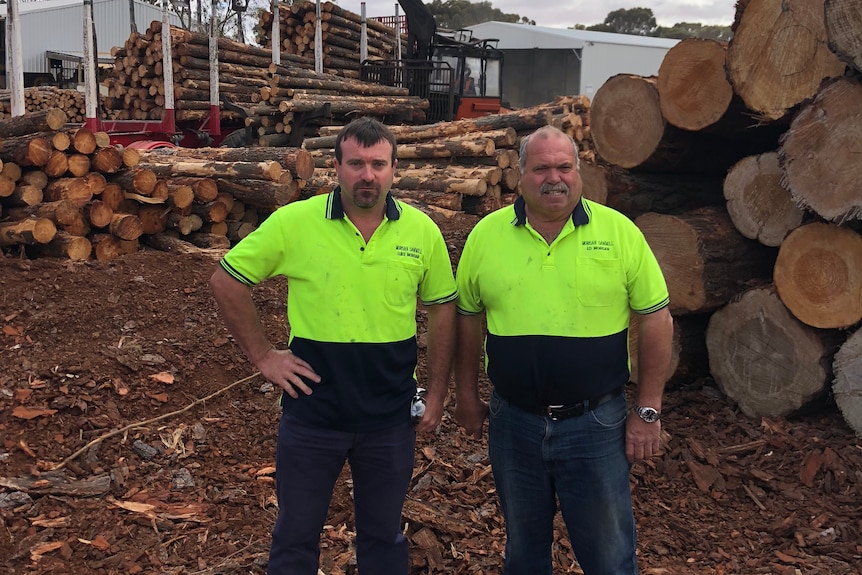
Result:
[
  {"x": 57, "y": 26},
  {"x": 541, "y": 63}
]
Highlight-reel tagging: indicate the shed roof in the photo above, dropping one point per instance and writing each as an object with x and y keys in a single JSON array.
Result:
[
  {"x": 523, "y": 36},
  {"x": 44, "y": 5}
]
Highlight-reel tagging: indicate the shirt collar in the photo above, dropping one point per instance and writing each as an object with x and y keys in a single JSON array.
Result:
[
  {"x": 579, "y": 216},
  {"x": 335, "y": 209}
]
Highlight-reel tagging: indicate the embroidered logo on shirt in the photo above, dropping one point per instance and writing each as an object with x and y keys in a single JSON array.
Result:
[
  {"x": 408, "y": 252},
  {"x": 597, "y": 245}
]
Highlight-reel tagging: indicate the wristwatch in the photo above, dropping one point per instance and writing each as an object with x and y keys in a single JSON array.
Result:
[{"x": 648, "y": 414}]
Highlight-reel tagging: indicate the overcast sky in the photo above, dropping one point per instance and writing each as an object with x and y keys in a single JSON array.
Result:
[{"x": 567, "y": 13}]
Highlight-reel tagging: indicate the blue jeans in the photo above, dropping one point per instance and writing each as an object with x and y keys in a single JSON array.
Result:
[
  {"x": 309, "y": 460},
  {"x": 582, "y": 462}
]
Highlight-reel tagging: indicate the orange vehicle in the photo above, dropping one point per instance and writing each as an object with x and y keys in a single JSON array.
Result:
[{"x": 460, "y": 76}]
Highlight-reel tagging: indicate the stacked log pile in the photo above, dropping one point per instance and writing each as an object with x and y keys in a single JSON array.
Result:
[
  {"x": 468, "y": 165},
  {"x": 66, "y": 192},
  {"x": 271, "y": 95},
  {"x": 340, "y": 35},
  {"x": 71, "y": 102},
  {"x": 748, "y": 193}
]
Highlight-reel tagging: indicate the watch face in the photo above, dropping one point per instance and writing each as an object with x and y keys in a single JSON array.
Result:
[{"x": 648, "y": 414}]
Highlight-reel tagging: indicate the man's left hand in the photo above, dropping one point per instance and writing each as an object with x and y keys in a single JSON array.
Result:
[{"x": 643, "y": 440}]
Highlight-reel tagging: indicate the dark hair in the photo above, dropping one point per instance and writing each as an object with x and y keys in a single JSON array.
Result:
[{"x": 368, "y": 132}]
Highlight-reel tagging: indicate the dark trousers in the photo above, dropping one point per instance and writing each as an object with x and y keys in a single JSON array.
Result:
[{"x": 309, "y": 460}]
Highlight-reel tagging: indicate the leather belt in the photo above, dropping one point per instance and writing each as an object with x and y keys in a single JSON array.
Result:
[{"x": 558, "y": 412}]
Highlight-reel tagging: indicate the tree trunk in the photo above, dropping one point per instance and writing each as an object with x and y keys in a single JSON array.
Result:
[
  {"x": 59, "y": 212},
  {"x": 820, "y": 152},
  {"x": 794, "y": 29},
  {"x": 763, "y": 358},
  {"x": 65, "y": 245},
  {"x": 629, "y": 131},
  {"x": 99, "y": 214},
  {"x": 688, "y": 361},
  {"x": 48, "y": 120},
  {"x": 31, "y": 231},
  {"x": 73, "y": 189},
  {"x": 140, "y": 180},
  {"x": 439, "y": 199},
  {"x": 79, "y": 164},
  {"x": 693, "y": 85},
  {"x": 126, "y": 226},
  {"x": 844, "y": 30},
  {"x": 847, "y": 386},
  {"x": 57, "y": 164},
  {"x": 445, "y": 149},
  {"x": 636, "y": 193},
  {"x": 705, "y": 261},
  {"x": 818, "y": 275},
  {"x": 760, "y": 208},
  {"x": 30, "y": 150},
  {"x": 269, "y": 195},
  {"x": 106, "y": 247},
  {"x": 107, "y": 160},
  {"x": 24, "y": 195},
  {"x": 295, "y": 160},
  {"x": 266, "y": 170}
]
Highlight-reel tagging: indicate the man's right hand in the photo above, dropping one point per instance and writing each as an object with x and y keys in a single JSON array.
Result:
[{"x": 286, "y": 370}]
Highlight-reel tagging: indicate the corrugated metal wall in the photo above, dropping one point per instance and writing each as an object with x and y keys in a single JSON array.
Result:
[{"x": 60, "y": 28}]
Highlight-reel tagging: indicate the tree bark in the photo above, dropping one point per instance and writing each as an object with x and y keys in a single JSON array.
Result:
[
  {"x": 65, "y": 245},
  {"x": 126, "y": 226},
  {"x": 30, "y": 231},
  {"x": 778, "y": 54},
  {"x": 818, "y": 274},
  {"x": 30, "y": 150},
  {"x": 440, "y": 199},
  {"x": 763, "y": 358},
  {"x": 844, "y": 30},
  {"x": 444, "y": 149},
  {"x": 688, "y": 361},
  {"x": 705, "y": 261},
  {"x": 820, "y": 152},
  {"x": 59, "y": 212},
  {"x": 48, "y": 120},
  {"x": 72, "y": 189},
  {"x": 261, "y": 193},
  {"x": 266, "y": 170},
  {"x": 297, "y": 161}
]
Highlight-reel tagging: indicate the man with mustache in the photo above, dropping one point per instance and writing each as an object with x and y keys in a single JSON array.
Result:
[
  {"x": 355, "y": 261},
  {"x": 557, "y": 277}
]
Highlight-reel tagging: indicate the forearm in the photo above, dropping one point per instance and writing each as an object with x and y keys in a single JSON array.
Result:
[
  {"x": 655, "y": 337},
  {"x": 441, "y": 346},
  {"x": 469, "y": 337},
  {"x": 240, "y": 315}
]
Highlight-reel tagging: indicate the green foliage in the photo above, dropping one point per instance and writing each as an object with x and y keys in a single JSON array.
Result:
[
  {"x": 638, "y": 21},
  {"x": 683, "y": 30},
  {"x": 457, "y": 14}
]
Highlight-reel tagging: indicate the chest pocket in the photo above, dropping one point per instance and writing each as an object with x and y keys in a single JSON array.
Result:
[
  {"x": 402, "y": 282},
  {"x": 600, "y": 282}
]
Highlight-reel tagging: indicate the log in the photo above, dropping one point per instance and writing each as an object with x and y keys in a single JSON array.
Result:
[
  {"x": 705, "y": 260},
  {"x": 260, "y": 193},
  {"x": 140, "y": 180},
  {"x": 106, "y": 247},
  {"x": 83, "y": 141},
  {"x": 778, "y": 54},
  {"x": 205, "y": 189},
  {"x": 445, "y": 149},
  {"x": 818, "y": 275},
  {"x": 65, "y": 245},
  {"x": 843, "y": 20},
  {"x": 107, "y": 160},
  {"x": 629, "y": 131},
  {"x": 688, "y": 361},
  {"x": 30, "y": 231},
  {"x": 445, "y": 200},
  {"x": 30, "y": 150},
  {"x": 99, "y": 214},
  {"x": 154, "y": 219},
  {"x": 168, "y": 243},
  {"x": 266, "y": 170},
  {"x": 180, "y": 196},
  {"x": 113, "y": 195},
  {"x": 467, "y": 187},
  {"x": 692, "y": 84},
  {"x": 57, "y": 164},
  {"x": 79, "y": 164},
  {"x": 59, "y": 212},
  {"x": 24, "y": 195},
  {"x": 847, "y": 385},
  {"x": 35, "y": 178},
  {"x": 211, "y": 212},
  {"x": 72, "y": 189},
  {"x": 126, "y": 226},
  {"x": 820, "y": 153},
  {"x": 635, "y": 193},
  {"x": 209, "y": 240},
  {"x": 295, "y": 160},
  {"x": 763, "y": 358},
  {"x": 32, "y": 122},
  {"x": 760, "y": 208}
]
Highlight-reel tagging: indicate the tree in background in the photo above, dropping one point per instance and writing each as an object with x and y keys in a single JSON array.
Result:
[
  {"x": 641, "y": 22},
  {"x": 457, "y": 14}
]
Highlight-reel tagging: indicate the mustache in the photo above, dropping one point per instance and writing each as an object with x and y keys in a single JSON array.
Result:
[{"x": 560, "y": 187}]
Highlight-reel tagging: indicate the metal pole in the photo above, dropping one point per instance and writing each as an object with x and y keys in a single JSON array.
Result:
[
  {"x": 276, "y": 33},
  {"x": 215, "y": 113},
  {"x": 397, "y": 34},
  {"x": 15, "y": 73},
  {"x": 318, "y": 42},
  {"x": 168, "y": 120},
  {"x": 363, "y": 36},
  {"x": 91, "y": 86}
]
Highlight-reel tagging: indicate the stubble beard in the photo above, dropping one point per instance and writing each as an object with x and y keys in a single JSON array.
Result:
[{"x": 366, "y": 195}]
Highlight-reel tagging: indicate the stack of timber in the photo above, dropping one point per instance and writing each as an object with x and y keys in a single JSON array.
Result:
[
  {"x": 44, "y": 98},
  {"x": 740, "y": 170},
  {"x": 270, "y": 96},
  {"x": 468, "y": 165},
  {"x": 66, "y": 192},
  {"x": 340, "y": 35}
]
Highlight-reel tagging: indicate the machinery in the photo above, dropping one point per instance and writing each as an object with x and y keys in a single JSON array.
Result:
[{"x": 460, "y": 76}]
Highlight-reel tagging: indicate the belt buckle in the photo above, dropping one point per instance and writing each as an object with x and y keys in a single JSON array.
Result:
[{"x": 551, "y": 413}]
